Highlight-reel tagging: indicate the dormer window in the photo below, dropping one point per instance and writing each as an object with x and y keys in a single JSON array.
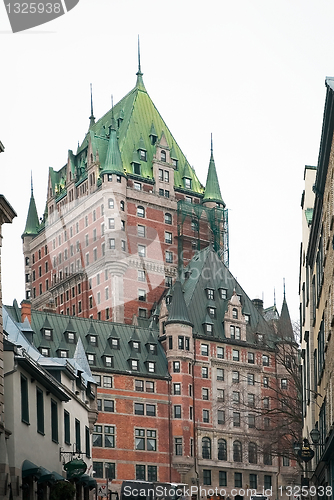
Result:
[
  {"x": 153, "y": 139},
  {"x": 212, "y": 312},
  {"x": 136, "y": 346},
  {"x": 210, "y": 294},
  {"x": 163, "y": 156},
  {"x": 223, "y": 293},
  {"x": 136, "y": 168},
  {"x": 174, "y": 163},
  {"x": 62, "y": 353},
  {"x": 235, "y": 313},
  {"x": 151, "y": 366},
  {"x": 134, "y": 363},
  {"x": 259, "y": 338},
  {"x": 108, "y": 361},
  {"x": 235, "y": 332},
  {"x": 45, "y": 351},
  {"x": 187, "y": 183},
  {"x": 92, "y": 339},
  {"x": 70, "y": 336},
  {"x": 152, "y": 348},
  {"x": 208, "y": 328},
  {"x": 47, "y": 333},
  {"x": 91, "y": 359},
  {"x": 142, "y": 154},
  {"x": 114, "y": 343},
  {"x": 247, "y": 319}
]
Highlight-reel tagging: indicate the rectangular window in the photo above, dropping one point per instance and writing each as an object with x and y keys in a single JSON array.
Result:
[
  {"x": 107, "y": 382},
  {"x": 265, "y": 381},
  {"x": 236, "y": 397},
  {"x": 54, "y": 421},
  {"x": 235, "y": 355},
  {"x": 98, "y": 469},
  {"x": 204, "y": 350},
  {"x": 220, "y": 374},
  {"x": 140, "y": 471},
  {"x": 40, "y": 410},
  {"x": 238, "y": 480},
  {"x": 265, "y": 360},
  {"x": 150, "y": 410},
  {"x": 251, "y": 358},
  {"x": 169, "y": 257},
  {"x": 178, "y": 446},
  {"x": 251, "y": 421},
  {"x": 236, "y": 419},
  {"x": 221, "y": 416},
  {"x": 168, "y": 237},
  {"x": 109, "y": 436},
  {"x": 67, "y": 431},
  {"x": 267, "y": 482},
  {"x": 235, "y": 377},
  {"x": 87, "y": 442},
  {"x": 177, "y": 389},
  {"x": 250, "y": 379},
  {"x": 149, "y": 386},
  {"x": 220, "y": 352},
  {"x": 253, "y": 481},
  {"x": 222, "y": 478},
  {"x": 207, "y": 476},
  {"x": 139, "y": 409},
  {"x": 139, "y": 385},
  {"x": 77, "y": 436},
  {"x": 141, "y": 251},
  {"x": 177, "y": 411},
  {"x": 152, "y": 473},
  {"x": 97, "y": 436},
  {"x": 108, "y": 405},
  {"x": 206, "y": 416},
  {"x": 205, "y": 372},
  {"x": 181, "y": 343},
  {"x": 24, "y": 400},
  {"x": 176, "y": 366},
  {"x": 205, "y": 394}
]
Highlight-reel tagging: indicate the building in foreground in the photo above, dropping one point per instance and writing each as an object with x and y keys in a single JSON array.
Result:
[
  {"x": 317, "y": 305},
  {"x": 50, "y": 410},
  {"x": 194, "y": 394},
  {"x": 121, "y": 216}
]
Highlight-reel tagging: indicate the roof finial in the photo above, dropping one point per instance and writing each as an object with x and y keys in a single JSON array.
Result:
[
  {"x": 274, "y": 297},
  {"x": 92, "y": 117},
  {"x": 211, "y": 146},
  {"x": 139, "y": 68},
  {"x": 32, "y": 187},
  {"x": 283, "y": 288}
]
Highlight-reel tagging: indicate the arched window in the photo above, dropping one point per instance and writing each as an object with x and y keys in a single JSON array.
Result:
[
  {"x": 163, "y": 156},
  {"x": 110, "y": 203},
  {"x": 222, "y": 449},
  {"x": 235, "y": 313},
  {"x": 237, "y": 451},
  {"x": 168, "y": 218},
  {"x": 206, "y": 447},
  {"x": 141, "y": 212},
  {"x": 252, "y": 453}
]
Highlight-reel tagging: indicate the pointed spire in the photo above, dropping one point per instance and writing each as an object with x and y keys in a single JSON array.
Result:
[
  {"x": 113, "y": 163},
  {"x": 140, "y": 83},
  {"x": 212, "y": 190},
  {"x": 286, "y": 330},
  {"x": 32, "y": 222},
  {"x": 92, "y": 117},
  {"x": 178, "y": 312}
]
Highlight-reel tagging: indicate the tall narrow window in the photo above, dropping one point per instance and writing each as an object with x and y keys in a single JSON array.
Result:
[
  {"x": 24, "y": 400},
  {"x": 77, "y": 436},
  {"x": 40, "y": 410},
  {"x": 54, "y": 421},
  {"x": 87, "y": 442},
  {"x": 67, "y": 432}
]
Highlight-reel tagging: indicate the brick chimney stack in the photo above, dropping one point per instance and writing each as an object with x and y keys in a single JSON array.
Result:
[{"x": 25, "y": 310}]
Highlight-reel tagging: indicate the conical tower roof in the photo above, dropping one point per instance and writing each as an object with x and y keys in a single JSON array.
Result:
[
  {"x": 32, "y": 222},
  {"x": 285, "y": 325},
  {"x": 178, "y": 312},
  {"x": 212, "y": 189},
  {"x": 113, "y": 163}
]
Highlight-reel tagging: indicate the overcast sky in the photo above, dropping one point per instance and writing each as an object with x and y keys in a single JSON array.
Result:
[{"x": 251, "y": 72}]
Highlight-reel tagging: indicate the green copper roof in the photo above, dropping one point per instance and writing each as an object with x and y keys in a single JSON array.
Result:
[
  {"x": 309, "y": 215},
  {"x": 139, "y": 118},
  {"x": 212, "y": 189},
  {"x": 178, "y": 312},
  {"x": 113, "y": 162},
  {"x": 32, "y": 223}
]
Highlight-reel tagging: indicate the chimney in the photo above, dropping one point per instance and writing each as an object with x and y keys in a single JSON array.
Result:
[
  {"x": 258, "y": 303},
  {"x": 25, "y": 310}
]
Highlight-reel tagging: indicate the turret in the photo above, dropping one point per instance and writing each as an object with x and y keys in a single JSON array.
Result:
[
  {"x": 212, "y": 195},
  {"x": 30, "y": 231}
]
